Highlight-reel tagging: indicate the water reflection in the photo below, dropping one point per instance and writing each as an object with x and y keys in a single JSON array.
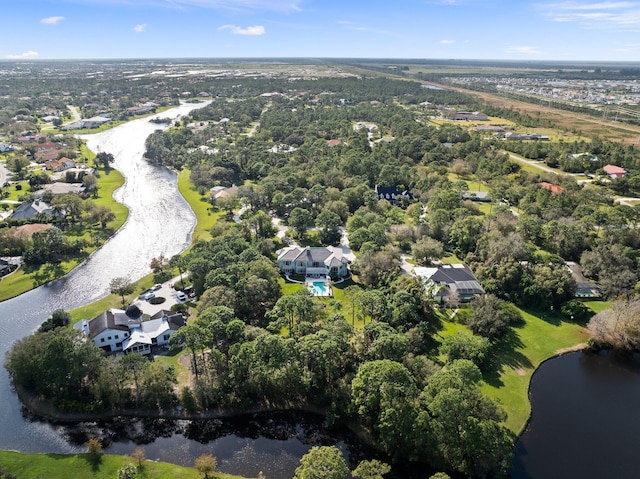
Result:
[
  {"x": 244, "y": 445},
  {"x": 585, "y": 421}
]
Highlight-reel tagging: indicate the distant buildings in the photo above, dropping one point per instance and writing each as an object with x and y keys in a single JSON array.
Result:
[
  {"x": 466, "y": 116},
  {"x": 392, "y": 194}
]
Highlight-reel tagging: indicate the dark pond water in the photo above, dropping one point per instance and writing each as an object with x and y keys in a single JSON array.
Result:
[
  {"x": 585, "y": 421},
  {"x": 269, "y": 442}
]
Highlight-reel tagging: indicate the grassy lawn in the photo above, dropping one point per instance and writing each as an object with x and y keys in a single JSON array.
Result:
[
  {"x": 59, "y": 466},
  {"x": 205, "y": 215},
  {"x": 540, "y": 337},
  {"x": 450, "y": 258},
  {"x": 27, "y": 278}
]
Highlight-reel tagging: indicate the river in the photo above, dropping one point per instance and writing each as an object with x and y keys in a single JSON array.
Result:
[{"x": 160, "y": 221}]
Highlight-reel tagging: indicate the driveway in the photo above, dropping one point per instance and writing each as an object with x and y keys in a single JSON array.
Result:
[{"x": 167, "y": 292}]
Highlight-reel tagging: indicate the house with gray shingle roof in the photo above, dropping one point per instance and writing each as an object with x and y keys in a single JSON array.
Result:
[
  {"x": 117, "y": 331},
  {"x": 31, "y": 209},
  {"x": 450, "y": 279},
  {"x": 310, "y": 261}
]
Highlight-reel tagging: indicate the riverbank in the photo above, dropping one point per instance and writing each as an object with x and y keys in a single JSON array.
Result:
[{"x": 106, "y": 466}]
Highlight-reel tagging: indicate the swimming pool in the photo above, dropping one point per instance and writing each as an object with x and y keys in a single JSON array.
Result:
[{"x": 320, "y": 288}]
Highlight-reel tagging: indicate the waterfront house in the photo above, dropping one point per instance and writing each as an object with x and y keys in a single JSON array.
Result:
[{"x": 118, "y": 331}]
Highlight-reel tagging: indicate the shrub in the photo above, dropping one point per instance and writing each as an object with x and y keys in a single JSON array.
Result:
[{"x": 157, "y": 300}]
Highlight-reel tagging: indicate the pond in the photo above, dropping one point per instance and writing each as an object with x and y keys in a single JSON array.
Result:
[{"x": 585, "y": 420}]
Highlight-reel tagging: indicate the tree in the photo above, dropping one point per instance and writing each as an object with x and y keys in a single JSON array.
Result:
[
  {"x": 128, "y": 471},
  {"x": 463, "y": 345},
  {"x": 139, "y": 457},
  {"x": 491, "y": 316},
  {"x": 104, "y": 159},
  {"x": 121, "y": 286},
  {"x": 322, "y": 462},
  {"x": 328, "y": 224},
  {"x": 299, "y": 219},
  {"x": 618, "y": 326},
  {"x": 426, "y": 249},
  {"x": 94, "y": 447},
  {"x": 59, "y": 318},
  {"x": 372, "y": 469},
  {"x": 90, "y": 184},
  {"x": 206, "y": 464}
]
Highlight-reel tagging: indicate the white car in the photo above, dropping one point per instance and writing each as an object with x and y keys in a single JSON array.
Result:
[
  {"x": 180, "y": 296},
  {"x": 148, "y": 295}
]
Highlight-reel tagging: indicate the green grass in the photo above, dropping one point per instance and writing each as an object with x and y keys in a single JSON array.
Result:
[
  {"x": 450, "y": 258},
  {"x": 61, "y": 466},
  {"x": 540, "y": 337},
  {"x": 205, "y": 215}
]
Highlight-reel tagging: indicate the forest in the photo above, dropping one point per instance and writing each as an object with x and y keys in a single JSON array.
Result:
[{"x": 372, "y": 356}]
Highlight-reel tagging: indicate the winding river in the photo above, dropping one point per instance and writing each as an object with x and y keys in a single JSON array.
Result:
[
  {"x": 585, "y": 420},
  {"x": 160, "y": 221}
]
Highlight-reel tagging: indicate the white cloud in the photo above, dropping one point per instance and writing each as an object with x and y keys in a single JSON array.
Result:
[
  {"x": 597, "y": 15},
  {"x": 52, "y": 20},
  {"x": 140, "y": 27},
  {"x": 252, "y": 31},
  {"x": 24, "y": 56},
  {"x": 523, "y": 50},
  {"x": 446, "y": 42}
]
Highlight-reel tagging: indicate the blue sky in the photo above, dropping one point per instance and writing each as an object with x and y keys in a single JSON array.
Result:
[{"x": 458, "y": 29}]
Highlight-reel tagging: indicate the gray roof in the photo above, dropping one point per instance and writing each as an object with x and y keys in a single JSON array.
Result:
[
  {"x": 111, "y": 319},
  {"x": 459, "y": 278}
]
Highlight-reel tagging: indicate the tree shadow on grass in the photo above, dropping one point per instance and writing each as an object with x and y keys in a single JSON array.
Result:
[
  {"x": 94, "y": 460},
  {"x": 505, "y": 354},
  {"x": 47, "y": 273}
]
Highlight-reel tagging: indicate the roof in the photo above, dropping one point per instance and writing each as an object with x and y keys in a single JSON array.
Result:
[
  {"x": 614, "y": 170},
  {"x": 111, "y": 319},
  {"x": 392, "y": 193},
  {"x": 557, "y": 189},
  {"x": 458, "y": 277},
  {"x": 313, "y": 254},
  {"x": 31, "y": 209}
]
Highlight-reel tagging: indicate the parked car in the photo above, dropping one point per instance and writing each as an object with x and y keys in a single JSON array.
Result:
[
  {"x": 148, "y": 295},
  {"x": 156, "y": 287},
  {"x": 146, "y": 291},
  {"x": 180, "y": 296}
]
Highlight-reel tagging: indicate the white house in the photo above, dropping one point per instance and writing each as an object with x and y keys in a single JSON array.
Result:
[
  {"x": 317, "y": 262},
  {"x": 116, "y": 331}
]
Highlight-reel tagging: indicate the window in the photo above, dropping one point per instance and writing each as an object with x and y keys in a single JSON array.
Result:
[
  {"x": 166, "y": 337},
  {"x": 102, "y": 340},
  {"x": 116, "y": 336},
  {"x": 109, "y": 338},
  {"x": 126, "y": 335}
]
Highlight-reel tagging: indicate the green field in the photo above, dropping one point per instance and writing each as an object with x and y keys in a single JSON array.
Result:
[
  {"x": 62, "y": 466},
  {"x": 205, "y": 214}
]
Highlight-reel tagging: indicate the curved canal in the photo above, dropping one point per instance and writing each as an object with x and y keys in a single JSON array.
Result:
[{"x": 160, "y": 221}]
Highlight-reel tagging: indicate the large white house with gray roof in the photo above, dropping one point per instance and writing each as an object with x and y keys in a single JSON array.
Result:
[
  {"x": 314, "y": 262},
  {"x": 115, "y": 331}
]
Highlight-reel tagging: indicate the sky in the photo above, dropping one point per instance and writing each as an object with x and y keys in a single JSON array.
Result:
[{"x": 578, "y": 30}]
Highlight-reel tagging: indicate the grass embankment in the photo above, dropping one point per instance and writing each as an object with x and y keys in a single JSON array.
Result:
[
  {"x": 59, "y": 466},
  {"x": 541, "y": 336},
  {"x": 27, "y": 278},
  {"x": 206, "y": 216}
]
